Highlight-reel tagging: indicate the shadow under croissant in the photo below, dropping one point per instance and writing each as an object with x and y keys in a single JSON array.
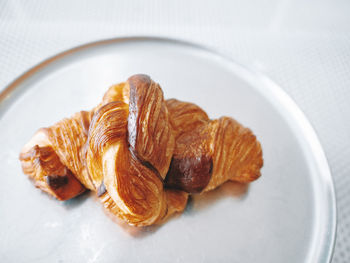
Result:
[
  {"x": 229, "y": 189},
  {"x": 195, "y": 203},
  {"x": 137, "y": 232},
  {"x": 78, "y": 200}
]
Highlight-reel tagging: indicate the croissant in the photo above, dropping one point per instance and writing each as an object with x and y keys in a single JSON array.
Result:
[{"x": 143, "y": 155}]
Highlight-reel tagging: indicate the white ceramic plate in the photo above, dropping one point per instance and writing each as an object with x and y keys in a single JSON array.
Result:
[{"x": 288, "y": 215}]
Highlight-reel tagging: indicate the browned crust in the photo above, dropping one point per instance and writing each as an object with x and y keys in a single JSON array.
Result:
[{"x": 149, "y": 132}]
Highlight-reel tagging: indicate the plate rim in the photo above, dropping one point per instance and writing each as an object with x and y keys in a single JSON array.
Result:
[{"x": 328, "y": 247}]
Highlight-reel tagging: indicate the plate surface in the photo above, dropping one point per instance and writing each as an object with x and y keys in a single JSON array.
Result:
[{"x": 288, "y": 215}]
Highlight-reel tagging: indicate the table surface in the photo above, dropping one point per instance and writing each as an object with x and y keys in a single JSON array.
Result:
[{"x": 304, "y": 46}]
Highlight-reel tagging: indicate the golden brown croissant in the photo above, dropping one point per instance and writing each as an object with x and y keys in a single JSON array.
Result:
[{"x": 140, "y": 153}]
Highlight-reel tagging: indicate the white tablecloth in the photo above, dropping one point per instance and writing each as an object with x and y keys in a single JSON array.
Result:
[{"x": 304, "y": 46}]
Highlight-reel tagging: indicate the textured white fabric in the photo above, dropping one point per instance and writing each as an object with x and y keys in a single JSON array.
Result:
[{"x": 302, "y": 45}]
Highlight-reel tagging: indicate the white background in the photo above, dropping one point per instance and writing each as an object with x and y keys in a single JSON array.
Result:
[{"x": 302, "y": 45}]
